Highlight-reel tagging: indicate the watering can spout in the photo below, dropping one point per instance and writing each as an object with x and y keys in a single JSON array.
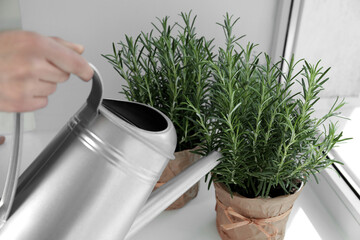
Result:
[{"x": 162, "y": 197}]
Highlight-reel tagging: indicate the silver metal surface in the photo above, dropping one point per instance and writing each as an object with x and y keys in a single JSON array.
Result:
[
  {"x": 90, "y": 109},
  {"x": 10, "y": 19},
  {"x": 92, "y": 179},
  {"x": 8, "y": 194},
  {"x": 164, "y": 196}
]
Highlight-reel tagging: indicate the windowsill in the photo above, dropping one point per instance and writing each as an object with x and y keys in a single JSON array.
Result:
[
  {"x": 310, "y": 217},
  {"x": 347, "y": 152},
  {"x": 342, "y": 204}
]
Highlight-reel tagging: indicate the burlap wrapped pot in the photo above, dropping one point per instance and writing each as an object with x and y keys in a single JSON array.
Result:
[
  {"x": 183, "y": 159},
  {"x": 241, "y": 218}
]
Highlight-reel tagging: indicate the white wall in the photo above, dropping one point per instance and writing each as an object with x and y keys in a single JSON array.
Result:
[
  {"x": 9, "y": 14},
  {"x": 96, "y": 24}
]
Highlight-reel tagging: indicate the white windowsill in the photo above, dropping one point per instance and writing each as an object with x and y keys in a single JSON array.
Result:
[{"x": 310, "y": 218}]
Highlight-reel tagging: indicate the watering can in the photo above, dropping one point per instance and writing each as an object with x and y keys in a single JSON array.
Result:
[{"x": 95, "y": 179}]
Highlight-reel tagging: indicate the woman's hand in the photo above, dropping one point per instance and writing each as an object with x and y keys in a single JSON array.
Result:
[{"x": 31, "y": 65}]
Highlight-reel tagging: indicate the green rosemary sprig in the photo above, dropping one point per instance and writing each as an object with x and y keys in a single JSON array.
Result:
[
  {"x": 167, "y": 68},
  {"x": 265, "y": 132}
]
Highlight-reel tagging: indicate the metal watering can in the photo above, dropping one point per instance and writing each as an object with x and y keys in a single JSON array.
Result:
[{"x": 94, "y": 180}]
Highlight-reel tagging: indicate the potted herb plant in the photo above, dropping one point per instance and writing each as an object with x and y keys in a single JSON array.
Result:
[
  {"x": 165, "y": 68},
  {"x": 269, "y": 139}
]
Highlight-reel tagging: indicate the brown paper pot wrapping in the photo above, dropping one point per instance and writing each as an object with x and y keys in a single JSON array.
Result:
[
  {"x": 241, "y": 218},
  {"x": 183, "y": 159}
]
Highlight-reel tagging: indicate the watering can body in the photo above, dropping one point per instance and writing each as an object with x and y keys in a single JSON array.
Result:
[
  {"x": 95, "y": 179},
  {"x": 96, "y": 174}
]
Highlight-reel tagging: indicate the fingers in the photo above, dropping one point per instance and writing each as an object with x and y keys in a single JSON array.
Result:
[
  {"x": 33, "y": 104},
  {"x": 68, "y": 60},
  {"x": 34, "y": 96},
  {"x": 27, "y": 95},
  {"x": 2, "y": 139},
  {"x": 76, "y": 47},
  {"x": 48, "y": 72},
  {"x": 44, "y": 88},
  {"x": 31, "y": 65}
]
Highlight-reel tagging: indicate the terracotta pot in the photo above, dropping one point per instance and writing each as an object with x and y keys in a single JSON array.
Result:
[
  {"x": 183, "y": 159},
  {"x": 241, "y": 218}
]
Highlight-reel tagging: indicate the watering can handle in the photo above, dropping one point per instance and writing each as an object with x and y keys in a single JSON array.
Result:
[
  {"x": 87, "y": 113},
  {"x": 90, "y": 109},
  {"x": 8, "y": 194}
]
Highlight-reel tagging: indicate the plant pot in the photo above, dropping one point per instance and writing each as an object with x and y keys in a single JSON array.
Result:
[
  {"x": 240, "y": 218},
  {"x": 183, "y": 159}
]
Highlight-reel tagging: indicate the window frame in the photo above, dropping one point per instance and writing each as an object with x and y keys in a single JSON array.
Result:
[{"x": 336, "y": 189}]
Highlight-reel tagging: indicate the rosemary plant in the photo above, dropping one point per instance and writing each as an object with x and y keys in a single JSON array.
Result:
[
  {"x": 266, "y": 133},
  {"x": 165, "y": 68}
]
